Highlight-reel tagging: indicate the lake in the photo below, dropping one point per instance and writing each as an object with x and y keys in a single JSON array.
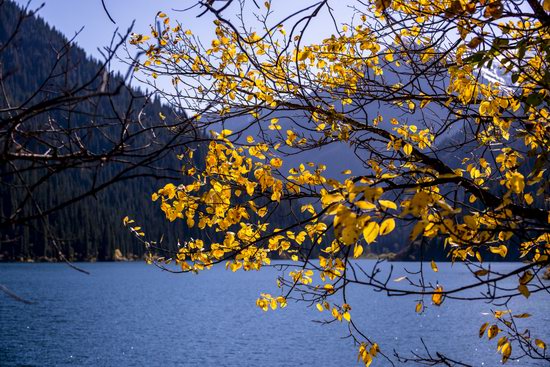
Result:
[{"x": 132, "y": 314}]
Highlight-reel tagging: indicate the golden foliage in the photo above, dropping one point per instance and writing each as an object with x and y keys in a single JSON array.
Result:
[{"x": 476, "y": 206}]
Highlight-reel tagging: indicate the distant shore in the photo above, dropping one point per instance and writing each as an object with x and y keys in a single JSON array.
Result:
[
  {"x": 117, "y": 257},
  {"x": 391, "y": 257}
]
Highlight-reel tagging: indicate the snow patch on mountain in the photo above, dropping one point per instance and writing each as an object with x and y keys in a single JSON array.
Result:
[{"x": 496, "y": 73}]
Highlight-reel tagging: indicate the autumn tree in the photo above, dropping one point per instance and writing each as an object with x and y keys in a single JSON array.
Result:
[{"x": 444, "y": 107}]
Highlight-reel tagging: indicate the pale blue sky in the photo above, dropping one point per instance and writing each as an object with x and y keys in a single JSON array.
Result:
[{"x": 69, "y": 16}]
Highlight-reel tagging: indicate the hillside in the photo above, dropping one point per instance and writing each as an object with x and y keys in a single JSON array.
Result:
[{"x": 40, "y": 58}]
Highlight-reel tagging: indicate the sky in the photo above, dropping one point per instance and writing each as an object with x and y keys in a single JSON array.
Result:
[{"x": 96, "y": 30}]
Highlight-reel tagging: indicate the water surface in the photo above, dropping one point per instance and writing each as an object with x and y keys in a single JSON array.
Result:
[{"x": 131, "y": 314}]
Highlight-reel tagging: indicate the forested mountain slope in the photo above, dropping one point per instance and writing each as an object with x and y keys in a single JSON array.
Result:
[
  {"x": 39, "y": 58},
  {"x": 40, "y": 64}
]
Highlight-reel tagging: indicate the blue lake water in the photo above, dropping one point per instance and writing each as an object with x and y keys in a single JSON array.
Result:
[{"x": 131, "y": 314}]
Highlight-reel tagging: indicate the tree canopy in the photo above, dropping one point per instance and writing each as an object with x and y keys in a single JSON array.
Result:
[{"x": 437, "y": 112}]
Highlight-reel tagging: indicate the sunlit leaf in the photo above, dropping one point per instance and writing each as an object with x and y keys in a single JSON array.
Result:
[
  {"x": 437, "y": 297},
  {"x": 539, "y": 343},
  {"x": 357, "y": 251},
  {"x": 387, "y": 226},
  {"x": 370, "y": 232},
  {"x": 493, "y": 331},
  {"x": 387, "y": 204}
]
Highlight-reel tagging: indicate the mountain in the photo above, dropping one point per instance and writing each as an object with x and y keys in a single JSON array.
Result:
[
  {"x": 36, "y": 57},
  {"x": 38, "y": 64}
]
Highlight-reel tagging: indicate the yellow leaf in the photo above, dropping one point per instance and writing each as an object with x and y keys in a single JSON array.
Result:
[
  {"x": 365, "y": 205},
  {"x": 275, "y": 126},
  {"x": 417, "y": 229},
  {"x": 357, "y": 251},
  {"x": 127, "y": 221},
  {"x": 408, "y": 149},
  {"x": 434, "y": 266},
  {"x": 437, "y": 297},
  {"x": 303, "y": 55},
  {"x": 328, "y": 199},
  {"x": 382, "y": 5},
  {"x": 276, "y": 162},
  {"x": 374, "y": 349},
  {"x": 474, "y": 42},
  {"x": 225, "y": 132},
  {"x": 347, "y": 316},
  {"x": 282, "y": 301},
  {"x": 388, "y": 204},
  {"x": 481, "y": 272},
  {"x": 418, "y": 307},
  {"x": 493, "y": 331},
  {"x": 262, "y": 303},
  {"x": 498, "y": 314},
  {"x": 482, "y": 329},
  {"x": 319, "y": 307},
  {"x": 506, "y": 352},
  {"x": 387, "y": 226},
  {"x": 470, "y": 221},
  {"x": 526, "y": 277},
  {"x": 329, "y": 288},
  {"x": 500, "y": 250},
  {"x": 546, "y": 5},
  {"x": 516, "y": 182},
  {"x": 370, "y": 232},
  {"x": 528, "y": 199},
  {"x": 540, "y": 344},
  {"x": 291, "y": 137},
  {"x": 349, "y": 234},
  {"x": 524, "y": 290}
]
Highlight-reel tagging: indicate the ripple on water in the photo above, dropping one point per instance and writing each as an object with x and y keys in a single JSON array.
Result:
[{"x": 132, "y": 315}]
